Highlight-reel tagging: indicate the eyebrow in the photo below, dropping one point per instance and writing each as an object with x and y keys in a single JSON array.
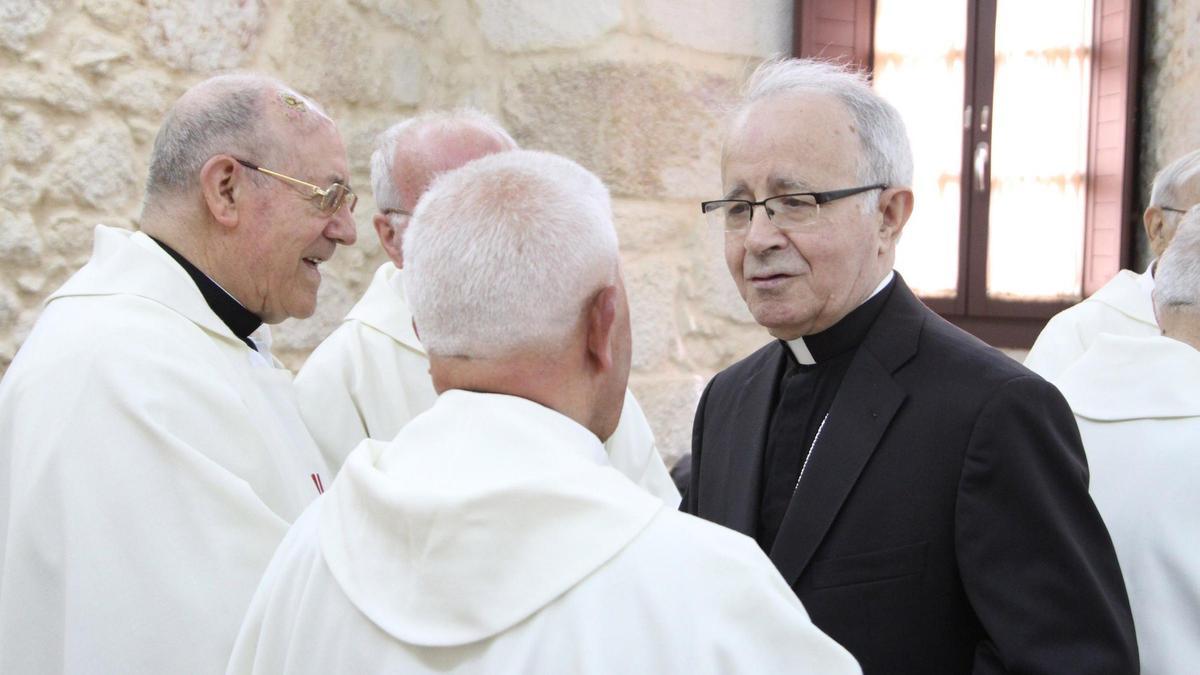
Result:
[{"x": 333, "y": 177}]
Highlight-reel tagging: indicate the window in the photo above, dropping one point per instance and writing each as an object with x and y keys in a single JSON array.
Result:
[{"x": 1021, "y": 118}]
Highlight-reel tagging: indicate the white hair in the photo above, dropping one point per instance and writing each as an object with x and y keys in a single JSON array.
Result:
[
  {"x": 223, "y": 114},
  {"x": 502, "y": 255},
  {"x": 1165, "y": 190},
  {"x": 383, "y": 185},
  {"x": 1177, "y": 276},
  {"x": 886, "y": 154}
]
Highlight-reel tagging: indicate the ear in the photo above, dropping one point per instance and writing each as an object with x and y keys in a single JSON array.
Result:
[
  {"x": 222, "y": 183},
  {"x": 1152, "y": 220},
  {"x": 601, "y": 323},
  {"x": 895, "y": 205},
  {"x": 388, "y": 239}
]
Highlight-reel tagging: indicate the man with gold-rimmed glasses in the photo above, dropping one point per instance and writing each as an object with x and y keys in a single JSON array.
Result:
[
  {"x": 924, "y": 495},
  {"x": 151, "y": 451}
]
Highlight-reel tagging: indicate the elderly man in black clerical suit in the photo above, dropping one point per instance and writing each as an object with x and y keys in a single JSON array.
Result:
[{"x": 925, "y": 496}]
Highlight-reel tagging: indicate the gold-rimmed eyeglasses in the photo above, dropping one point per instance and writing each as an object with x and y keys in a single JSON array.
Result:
[{"x": 328, "y": 199}]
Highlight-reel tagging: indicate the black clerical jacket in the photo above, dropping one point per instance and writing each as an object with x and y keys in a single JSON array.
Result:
[{"x": 943, "y": 523}]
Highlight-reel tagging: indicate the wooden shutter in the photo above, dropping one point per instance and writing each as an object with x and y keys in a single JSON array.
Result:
[
  {"x": 1111, "y": 207},
  {"x": 835, "y": 29}
]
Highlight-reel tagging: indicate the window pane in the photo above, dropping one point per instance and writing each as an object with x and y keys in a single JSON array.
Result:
[
  {"x": 1039, "y": 149},
  {"x": 919, "y": 69}
]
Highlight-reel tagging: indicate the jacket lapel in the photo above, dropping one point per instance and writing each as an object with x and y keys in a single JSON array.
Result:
[
  {"x": 737, "y": 473},
  {"x": 867, "y": 400}
]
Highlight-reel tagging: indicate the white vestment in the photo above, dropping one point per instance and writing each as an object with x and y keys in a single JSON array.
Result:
[
  {"x": 150, "y": 464},
  {"x": 1137, "y": 402},
  {"x": 491, "y": 536},
  {"x": 371, "y": 376},
  {"x": 1121, "y": 307}
]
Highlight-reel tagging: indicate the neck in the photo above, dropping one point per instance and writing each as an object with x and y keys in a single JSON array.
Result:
[
  {"x": 187, "y": 234},
  {"x": 1183, "y": 326},
  {"x": 552, "y": 380}
]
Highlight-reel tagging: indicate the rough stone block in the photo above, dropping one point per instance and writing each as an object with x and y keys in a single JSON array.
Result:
[
  {"x": 417, "y": 16},
  {"x": 116, "y": 15},
  {"x": 18, "y": 193},
  {"x": 647, "y": 129},
  {"x": 647, "y": 226},
  {"x": 142, "y": 92},
  {"x": 57, "y": 88},
  {"x": 28, "y": 139},
  {"x": 652, "y": 286},
  {"x": 343, "y": 60},
  {"x": 97, "y": 168},
  {"x": 203, "y": 36},
  {"x": 22, "y": 20},
  {"x": 98, "y": 55},
  {"x": 19, "y": 241},
  {"x": 535, "y": 25},
  {"x": 670, "y": 405},
  {"x": 755, "y": 28}
]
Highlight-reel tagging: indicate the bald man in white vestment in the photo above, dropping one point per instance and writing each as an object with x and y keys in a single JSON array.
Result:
[
  {"x": 371, "y": 376},
  {"x": 1122, "y": 306},
  {"x": 152, "y": 455},
  {"x": 1137, "y": 402},
  {"x": 492, "y": 535}
]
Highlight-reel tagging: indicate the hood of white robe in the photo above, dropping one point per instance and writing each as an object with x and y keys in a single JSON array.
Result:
[
  {"x": 1129, "y": 293},
  {"x": 125, "y": 262},
  {"x": 1127, "y": 378},
  {"x": 482, "y": 511},
  {"x": 384, "y": 307}
]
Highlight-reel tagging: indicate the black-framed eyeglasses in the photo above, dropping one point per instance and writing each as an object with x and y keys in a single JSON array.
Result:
[
  {"x": 1173, "y": 209},
  {"x": 328, "y": 199},
  {"x": 793, "y": 211}
]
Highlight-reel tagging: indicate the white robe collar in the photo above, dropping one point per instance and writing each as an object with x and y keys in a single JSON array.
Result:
[
  {"x": 1129, "y": 293},
  {"x": 1126, "y": 378},
  {"x": 125, "y": 262},
  {"x": 384, "y": 307},
  {"x": 800, "y": 349},
  {"x": 483, "y": 510}
]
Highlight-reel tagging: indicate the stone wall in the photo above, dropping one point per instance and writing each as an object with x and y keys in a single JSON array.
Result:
[
  {"x": 1170, "y": 96},
  {"x": 632, "y": 90}
]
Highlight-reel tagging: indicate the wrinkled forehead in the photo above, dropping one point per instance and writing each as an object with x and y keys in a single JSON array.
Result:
[{"x": 806, "y": 141}]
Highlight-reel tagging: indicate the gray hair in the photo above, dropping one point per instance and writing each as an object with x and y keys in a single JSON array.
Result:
[
  {"x": 886, "y": 153},
  {"x": 1177, "y": 276},
  {"x": 502, "y": 255},
  {"x": 387, "y": 194},
  {"x": 224, "y": 114},
  {"x": 1165, "y": 191}
]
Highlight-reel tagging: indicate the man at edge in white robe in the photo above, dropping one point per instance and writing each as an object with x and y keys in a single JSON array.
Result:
[
  {"x": 492, "y": 535},
  {"x": 152, "y": 455},
  {"x": 1122, "y": 306},
  {"x": 1137, "y": 402},
  {"x": 371, "y": 376}
]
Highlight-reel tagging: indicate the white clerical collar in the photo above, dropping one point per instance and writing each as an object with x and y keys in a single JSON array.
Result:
[{"x": 800, "y": 349}]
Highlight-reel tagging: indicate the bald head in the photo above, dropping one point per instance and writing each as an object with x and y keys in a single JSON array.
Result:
[
  {"x": 411, "y": 154},
  {"x": 246, "y": 115}
]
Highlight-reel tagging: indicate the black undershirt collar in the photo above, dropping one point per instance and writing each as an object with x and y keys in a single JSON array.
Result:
[
  {"x": 240, "y": 320},
  {"x": 849, "y": 332}
]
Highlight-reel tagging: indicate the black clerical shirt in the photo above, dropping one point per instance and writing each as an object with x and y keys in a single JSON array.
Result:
[
  {"x": 240, "y": 320},
  {"x": 804, "y": 396}
]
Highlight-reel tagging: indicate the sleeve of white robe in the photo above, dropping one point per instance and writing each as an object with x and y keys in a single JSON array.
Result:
[
  {"x": 632, "y": 451},
  {"x": 327, "y": 391},
  {"x": 128, "y": 548}
]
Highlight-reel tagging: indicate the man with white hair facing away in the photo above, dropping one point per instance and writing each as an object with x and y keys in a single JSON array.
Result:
[
  {"x": 1137, "y": 402},
  {"x": 152, "y": 455},
  {"x": 491, "y": 535},
  {"x": 371, "y": 376},
  {"x": 1122, "y": 306}
]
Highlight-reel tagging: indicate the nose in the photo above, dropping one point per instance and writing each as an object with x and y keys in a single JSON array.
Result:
[
  {"x": 761, "y": 233},
  {"x": 341, "y": 227}
]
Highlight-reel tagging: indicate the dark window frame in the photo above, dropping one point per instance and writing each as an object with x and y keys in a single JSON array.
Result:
[{"x": 843, "y": 30}]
